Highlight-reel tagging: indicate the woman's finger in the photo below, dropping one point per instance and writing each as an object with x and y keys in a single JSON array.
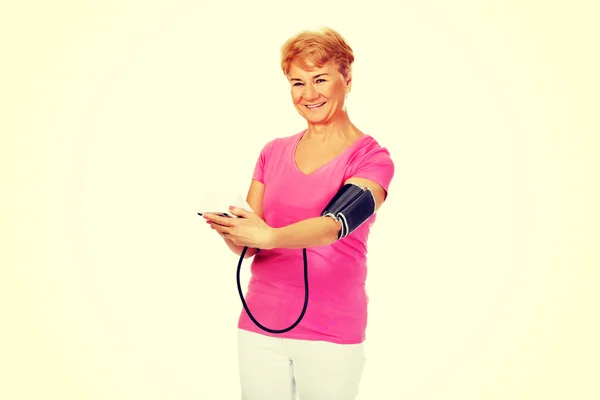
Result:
[
  {"x": 240, "y": 212},
  {"x": 224, "y": 221},
  {"x": 215, "y": 223},
  {"x": 220, "y": 229}
]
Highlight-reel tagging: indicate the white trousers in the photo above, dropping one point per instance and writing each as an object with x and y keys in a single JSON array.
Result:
[{"x": 273, "y": 368}]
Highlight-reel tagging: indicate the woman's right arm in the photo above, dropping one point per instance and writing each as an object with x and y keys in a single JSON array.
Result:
[{"x": 255, "y": 200}]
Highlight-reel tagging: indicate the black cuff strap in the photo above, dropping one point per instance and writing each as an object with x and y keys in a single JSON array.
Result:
[{"x": 352, "y": 206}]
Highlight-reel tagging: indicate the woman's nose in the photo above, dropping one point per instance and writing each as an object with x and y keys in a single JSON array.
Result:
[{"x": 310, "y": 93}]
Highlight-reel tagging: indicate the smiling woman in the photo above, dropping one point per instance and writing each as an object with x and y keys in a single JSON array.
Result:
[
  {"x": 318, "y": 190},
  {"x": 319, "y": 70}
]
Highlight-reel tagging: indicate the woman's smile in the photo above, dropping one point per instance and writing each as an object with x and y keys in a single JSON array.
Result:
[{"x": 315, "y": 105}]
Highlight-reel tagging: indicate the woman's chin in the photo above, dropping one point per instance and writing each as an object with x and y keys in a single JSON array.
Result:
[{"x": 316, "y": 121}]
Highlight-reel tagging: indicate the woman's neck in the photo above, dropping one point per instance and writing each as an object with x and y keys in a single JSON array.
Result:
[{"x": 340, "y": 128}]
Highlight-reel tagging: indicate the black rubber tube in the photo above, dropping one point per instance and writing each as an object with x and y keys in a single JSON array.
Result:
[{"x": 248, "y": 310}]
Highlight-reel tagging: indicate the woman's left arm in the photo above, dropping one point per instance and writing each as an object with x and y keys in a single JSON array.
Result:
[
  {"x": 311, "y": 232},
  {"x": 320, "y": 231}
]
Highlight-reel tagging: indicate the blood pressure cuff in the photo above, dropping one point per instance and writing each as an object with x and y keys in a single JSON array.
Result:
[{"x": 352, "y": 206}]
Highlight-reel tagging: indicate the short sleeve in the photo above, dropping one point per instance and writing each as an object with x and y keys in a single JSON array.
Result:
[
  {"x": 260, "y": 167},
  {"x": 377, "y": 166}
]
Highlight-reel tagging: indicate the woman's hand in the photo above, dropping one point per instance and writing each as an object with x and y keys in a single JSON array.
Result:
[{"x": 247, "y": 230}]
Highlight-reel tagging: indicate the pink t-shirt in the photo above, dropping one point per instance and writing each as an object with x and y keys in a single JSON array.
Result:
[{"x": 337, "y": 303}]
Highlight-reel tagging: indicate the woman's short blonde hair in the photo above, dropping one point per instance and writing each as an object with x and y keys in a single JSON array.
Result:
[{"x": 317, "y": 48}]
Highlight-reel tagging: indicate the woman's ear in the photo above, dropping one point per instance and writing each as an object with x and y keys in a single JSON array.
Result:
[{"x": 348, "y": 84}]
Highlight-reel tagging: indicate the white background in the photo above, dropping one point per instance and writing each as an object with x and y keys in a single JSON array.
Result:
[{"x": 120, "y": 116}]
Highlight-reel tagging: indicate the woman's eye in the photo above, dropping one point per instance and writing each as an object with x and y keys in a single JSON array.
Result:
[
  {"x": 320, "y": 80},
  {"x": 297, "y": 84}
]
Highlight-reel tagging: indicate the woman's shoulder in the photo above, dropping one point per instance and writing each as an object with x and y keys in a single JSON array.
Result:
[
  {"x": 278, "y": 146},
  {"x": 371, "y": 160},
  {"x": 283, "y": 140},
  {"x": 370, "y": 147}
]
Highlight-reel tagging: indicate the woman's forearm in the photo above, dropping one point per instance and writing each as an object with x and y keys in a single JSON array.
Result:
[
  {"x": 237, "y": 250},
  {"x": 312, "y": 232}
]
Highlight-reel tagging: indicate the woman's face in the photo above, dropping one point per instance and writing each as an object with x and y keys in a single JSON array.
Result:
[{"x": 318, "y": 94}]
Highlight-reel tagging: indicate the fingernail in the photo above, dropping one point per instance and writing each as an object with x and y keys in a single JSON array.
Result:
[{"x": 231, "y": 207}]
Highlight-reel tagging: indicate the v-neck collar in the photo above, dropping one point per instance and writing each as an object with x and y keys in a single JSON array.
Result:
[{"x": 346, "y": 150}]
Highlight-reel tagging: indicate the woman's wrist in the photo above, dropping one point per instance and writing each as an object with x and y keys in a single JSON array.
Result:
[
  {"x": 311, "y": 232},
  {"x": 271, "y": 239},
  {"x": 237, "y": 250}
]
